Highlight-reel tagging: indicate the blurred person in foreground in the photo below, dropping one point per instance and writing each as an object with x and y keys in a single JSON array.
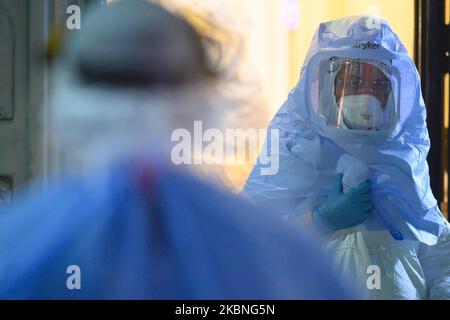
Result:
[{"x": 121, "y": 216}]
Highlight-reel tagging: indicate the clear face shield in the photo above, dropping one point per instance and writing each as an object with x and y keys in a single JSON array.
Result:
[{"x": 356, "y": 94}]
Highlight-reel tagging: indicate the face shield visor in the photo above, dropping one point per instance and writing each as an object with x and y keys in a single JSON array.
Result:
[{"x": 356, "y": 94}]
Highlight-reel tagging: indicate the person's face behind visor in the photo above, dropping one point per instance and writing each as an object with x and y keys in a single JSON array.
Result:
[{"x": 362, "y": 92}]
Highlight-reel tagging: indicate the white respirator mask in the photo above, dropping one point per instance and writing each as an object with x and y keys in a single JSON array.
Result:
[{"x": 362, "y": 112}]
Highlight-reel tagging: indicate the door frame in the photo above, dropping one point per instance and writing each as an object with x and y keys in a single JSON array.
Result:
[{"x": 433, "y": 62}]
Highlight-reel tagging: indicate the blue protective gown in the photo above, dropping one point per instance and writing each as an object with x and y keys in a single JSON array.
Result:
[
  {"x": 407, "y": 237},
  {"x": 138, "y": 231}
]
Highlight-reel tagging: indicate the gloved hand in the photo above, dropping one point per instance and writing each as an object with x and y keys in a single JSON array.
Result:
[{"x": 343, "y": 210}]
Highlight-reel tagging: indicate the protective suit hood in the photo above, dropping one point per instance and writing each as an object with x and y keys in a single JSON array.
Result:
[{"x": 396, "y": 158}]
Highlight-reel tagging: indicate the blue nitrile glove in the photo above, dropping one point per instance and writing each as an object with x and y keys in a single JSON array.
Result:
[{"x": 343, "y": 210}]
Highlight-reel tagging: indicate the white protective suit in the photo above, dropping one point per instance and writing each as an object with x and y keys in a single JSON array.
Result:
[{"x": 403, "y": 251}]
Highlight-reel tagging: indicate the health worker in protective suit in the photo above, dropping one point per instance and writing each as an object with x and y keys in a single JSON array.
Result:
[
  {"x": 120, "y": 221},
  {"x": 352, "y": 149}
]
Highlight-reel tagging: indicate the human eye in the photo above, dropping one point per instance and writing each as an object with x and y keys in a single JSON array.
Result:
[
  {"x": 354, "y": 82},
  {"x": 381, "y": 85}
]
